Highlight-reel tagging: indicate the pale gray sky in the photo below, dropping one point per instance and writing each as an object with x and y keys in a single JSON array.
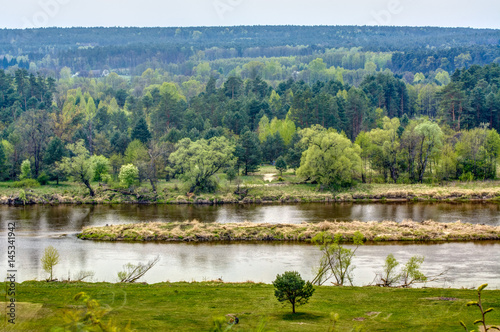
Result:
[{"x": 67, "y": 13}]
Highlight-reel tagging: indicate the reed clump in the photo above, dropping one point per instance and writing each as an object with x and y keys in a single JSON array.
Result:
[{"x": 372, "y": 231}]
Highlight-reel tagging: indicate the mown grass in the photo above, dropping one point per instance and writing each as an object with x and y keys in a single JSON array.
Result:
[
  {"x": 247, "y": 231},
  {"x": 191, "y": 306}
]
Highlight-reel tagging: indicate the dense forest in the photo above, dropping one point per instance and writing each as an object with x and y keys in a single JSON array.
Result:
[
  {"x": 180, "y": 50},
  {"x": 339, "y": 105}
]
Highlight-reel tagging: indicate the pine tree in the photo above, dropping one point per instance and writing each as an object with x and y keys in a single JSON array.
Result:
[
  {"x": 141, "y": 131},
  {"x": 248, "y": 152}
]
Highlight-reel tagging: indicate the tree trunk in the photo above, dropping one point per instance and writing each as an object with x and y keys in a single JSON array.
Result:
[{"x": 87, "y": 184}]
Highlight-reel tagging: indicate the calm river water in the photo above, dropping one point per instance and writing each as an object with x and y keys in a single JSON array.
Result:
[{"x": 467, "y": 264}]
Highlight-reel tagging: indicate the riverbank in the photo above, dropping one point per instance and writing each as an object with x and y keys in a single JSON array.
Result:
[
  {"x": 253, "y": 190},
  {"x": 195, "y": 231},
  {"x": 190, "y": 307}
]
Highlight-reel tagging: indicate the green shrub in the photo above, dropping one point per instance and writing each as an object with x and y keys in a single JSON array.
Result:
[
  {"x": 25, "y": 170},
  {"x": 43, "y": 179},
  {"x": 466, "y": 177},
  {"x": 26, "y": 183}
]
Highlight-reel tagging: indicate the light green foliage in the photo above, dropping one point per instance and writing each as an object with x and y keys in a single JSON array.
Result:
[
  {"x": 231, "y": 173},
  {"x": 281, "y": 165},
  {"x": 137, "y": 154},
  {"x": 419, "y": 77},
  {"x": 430, "y": 141},
  {"x": 422, "y": 141},
  {"x": 446, "y": 168},
  {"x": 427, "y": 102},
  {"x": 252, "y": 69},
  {"x": 364, "y": 142},
  {"x": 116, "y": 161},
  {"x": 3, "y": 160},
  {"x": 330, "y": 159},
  {"x": 317, "y": 68},
  {"x": 443, "y": 77},
  {"x": 477, "y": 153},
  {"x": 481, "y": 321},
  {"x": 411, "y": 273},
  {"x": 286, "y": 128},
  {"x": 50, "y": 259},
  {"x": 220, "y": 324},
  {"x": 382, "y": 146},
  {"x": 26, "y": 183},
  {"x": 80, "y": 166},
  {"x": 192, "y": 88},
  {"x": 198, "y": 161},
  {"x": 25, "y": 170},
  {"x": 129, "y": 174},
  {"x": 370, "y": 66},
  {"x": 275, "y": 102},
  {"x": 101, "y": 167},
  {"x": 89, "y": 317},
  {"x": 136, "y": 151},
  {"x": 334, "y": 318},
  {"x": 462, "y": 60},
  {"x": 336, "y": 261},
  {"x": 202, "y": 69},
  {"x": 290, "y": 287},
  {"x": 22, "y": 196},
  {"x": 389, "y": 275}
]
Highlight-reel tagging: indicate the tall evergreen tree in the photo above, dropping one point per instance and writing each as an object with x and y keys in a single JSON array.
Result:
[
  {"x": 248, "y": 152},
  {"x": 141, "y": 131}
]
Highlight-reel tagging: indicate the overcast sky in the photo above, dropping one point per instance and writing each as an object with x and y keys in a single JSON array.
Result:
[{"x": 67, "y": 13}]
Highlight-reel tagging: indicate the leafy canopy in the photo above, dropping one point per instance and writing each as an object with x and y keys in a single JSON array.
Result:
[
  {"x": 292, "y": 288},
  {"x": 198, "y": 161},
  {"x": 330, "y": 159}
]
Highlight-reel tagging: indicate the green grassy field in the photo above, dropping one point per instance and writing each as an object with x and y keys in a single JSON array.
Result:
[{"x": 191, "y": 306}]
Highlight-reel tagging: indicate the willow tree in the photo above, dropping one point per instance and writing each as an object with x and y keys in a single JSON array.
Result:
[
  {"x": 331, "y": 159},
  {"x": 198, "y": 161},
  {"x": 80, "y": 166}
]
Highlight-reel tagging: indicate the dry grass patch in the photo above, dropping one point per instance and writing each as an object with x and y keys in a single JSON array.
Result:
[{"x": 372, "y": 231}]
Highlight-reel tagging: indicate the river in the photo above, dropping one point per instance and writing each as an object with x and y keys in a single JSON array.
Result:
[{"x": 466, "y": 264}]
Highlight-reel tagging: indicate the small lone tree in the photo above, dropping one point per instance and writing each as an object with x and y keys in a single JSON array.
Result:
[
  {"x": 337, "y": 260},
  {"x": 411, "y": 273},
  {"x": 128, "y": 175},
  {"x": 25, "y": 170},
  {"x": 390, "y": 276},
  {"x": 231, "y": 173},
  {"x": 49, "y": 260},
  {"x": 292, "y": 288},
  {"x": 79, "y": 166},
  {"x": 281, "y": 165}
]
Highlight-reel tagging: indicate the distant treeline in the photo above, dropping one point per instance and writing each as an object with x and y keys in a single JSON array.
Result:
[{"x": 413, "y": 49}]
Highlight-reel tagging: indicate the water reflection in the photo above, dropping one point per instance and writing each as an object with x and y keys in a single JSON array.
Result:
[
  {"x": 37, "y": 220},
  {"x": 259, "y": 262},
  {"x": 468, "y": 264}
]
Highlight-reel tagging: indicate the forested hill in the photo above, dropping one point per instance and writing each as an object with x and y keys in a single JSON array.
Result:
[
  {"x": 368, "y": 37},
  {"x": 96, "y": 48}
]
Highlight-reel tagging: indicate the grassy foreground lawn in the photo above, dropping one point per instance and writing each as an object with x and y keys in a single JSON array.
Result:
[{"x": 191, "y": 306}]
